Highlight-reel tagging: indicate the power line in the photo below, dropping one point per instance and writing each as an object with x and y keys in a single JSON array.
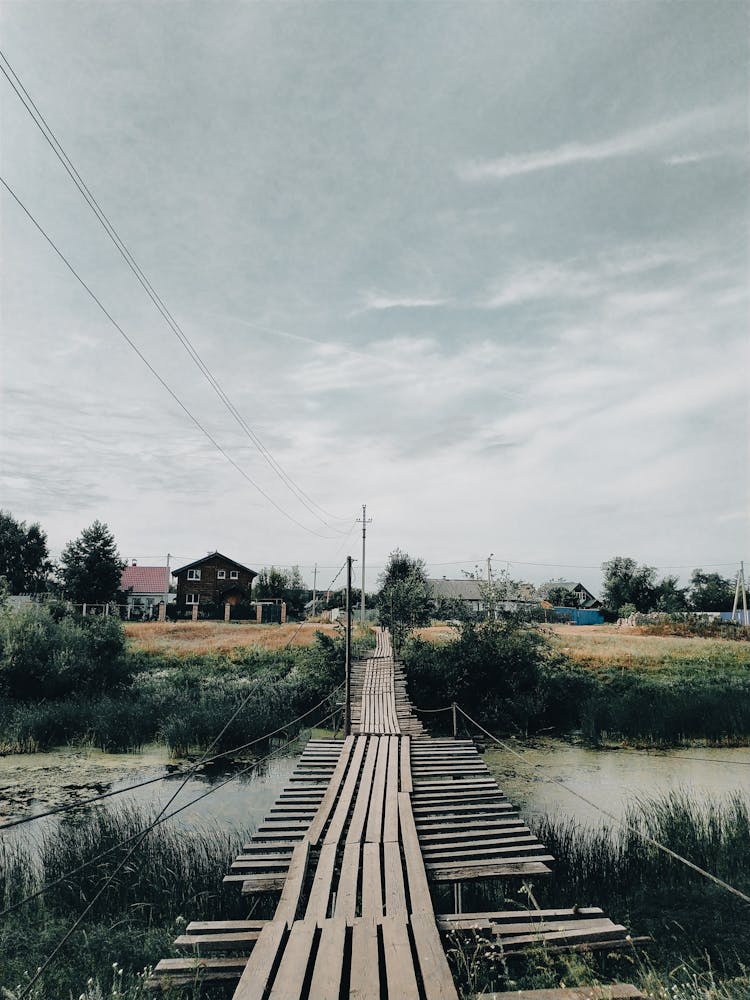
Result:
[
  {"x": 153, "y": 371},
  {"x": 44, "y": 127}
]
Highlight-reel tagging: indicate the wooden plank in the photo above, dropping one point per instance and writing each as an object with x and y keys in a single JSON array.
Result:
[
  {"x": 262, "y": 963},
  {"x": 359, "y": 815},
  {"x": 419, "y": 891},
  {"x": 399, "y": 964},
  {"x": 320, "y": 893},
  {"x": 294, "y": 963},
  {"x": 395, "y": 894},
  {"x": 341, "y": 811},
  {"x": 390, "y": 824},
  {"x": 203, "y": 943},
  {"x": 286, "y": 911},
  {"x": 364, "y": 983},
  {"x": 346, "y": 894},
  {"x": 224, "y": 926},
  {"x": 503, "y": 869},
  {"x": 372, "y": 894},
  {"x": 501, "y": 917},
  {"x": 433, "y": 965},
  {"x": 326, "y": 980},
  {"x": 406, "y": 781},
  {"x": 374, "y": 831}
]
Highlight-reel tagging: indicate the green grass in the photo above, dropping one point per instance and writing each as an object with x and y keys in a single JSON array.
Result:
[
  {"x": 700, "y": 948},
  {"x": 172, "y": 877}
]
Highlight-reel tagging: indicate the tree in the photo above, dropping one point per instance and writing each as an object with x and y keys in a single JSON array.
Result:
[
  {"x": 625, "y": 582},
  {"x": 710, "y": 592},
  {"x": 24, "y": 559},
  {"x": 404, "y": 600},
  {"x": 91, "y": 567},
  {"x": 670, "y": 597},
  {"x": 287, "y": 584}
]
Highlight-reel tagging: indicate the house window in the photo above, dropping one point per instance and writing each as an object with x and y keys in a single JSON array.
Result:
[
  {"x": 234, "y": 574},
  {"x": 221, "y": 574},
  {"x": 194, "y": 574},
  {"x": 191, "y": 598}
]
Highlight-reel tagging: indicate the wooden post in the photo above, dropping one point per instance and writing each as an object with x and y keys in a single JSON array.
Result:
[
  {"x": 162, "y": 611},
  {"x": 348, "y": 656},
  {"x": 83, "y": 609},
  {"x": 283, "y": 612},
  {"x": 195, "y": 613},
  {"x": 455, "y": 722},
  {"x": 227, "y": 610},
  {"x": 258, "y": 613}
]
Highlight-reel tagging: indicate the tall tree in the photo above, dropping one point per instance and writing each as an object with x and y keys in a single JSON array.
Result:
[
  {"x": 404, "y": 600},
  {"x": 24, "y": 558},
  {"x": 91, "y": 567},
  {"x": 625, "y": 582},
  {"x": 670, "y": 596},
  {"x": 710, "y": 592}
]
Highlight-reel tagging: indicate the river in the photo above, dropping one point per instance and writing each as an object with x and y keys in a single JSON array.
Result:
[{"x": 539, "y": 783}]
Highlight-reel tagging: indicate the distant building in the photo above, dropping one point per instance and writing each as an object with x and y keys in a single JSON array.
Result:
[
  {"x": 145, "y": 586},
  {"x": 470, "y": 595},
  {"x": 215, "y": 579},
  {"x": 575, "y": 594}
]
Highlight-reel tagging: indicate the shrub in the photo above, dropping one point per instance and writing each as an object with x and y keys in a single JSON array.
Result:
[{"x": 46, "y": 654}]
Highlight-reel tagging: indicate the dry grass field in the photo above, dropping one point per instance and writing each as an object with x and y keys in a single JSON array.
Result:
[
  {"x": 199, "y": 638},
  {"x": 599, "y": 646}
]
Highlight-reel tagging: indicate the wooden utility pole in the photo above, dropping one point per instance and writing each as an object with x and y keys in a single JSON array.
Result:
[
  {"x": 365, "y": 521},
  {"x": 740, "y": 587},
  {"x": 315, "y": 588},
  {"x": 348, "y": 656}
]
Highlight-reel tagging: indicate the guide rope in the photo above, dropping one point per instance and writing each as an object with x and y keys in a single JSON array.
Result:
[
  {"x": 162, "y": 777},
  {"x": 628, "y": 826}
]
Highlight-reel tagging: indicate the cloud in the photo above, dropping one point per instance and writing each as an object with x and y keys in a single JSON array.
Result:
[
  {"x": 378, "y": 301},
  {"x": 629, "y": 143}
]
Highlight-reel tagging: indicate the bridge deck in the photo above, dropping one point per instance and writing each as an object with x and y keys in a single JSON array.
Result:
[{"x": 352, "y": 844}]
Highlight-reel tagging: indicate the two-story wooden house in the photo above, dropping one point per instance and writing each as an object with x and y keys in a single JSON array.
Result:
[{"x": 214, "y": 579}]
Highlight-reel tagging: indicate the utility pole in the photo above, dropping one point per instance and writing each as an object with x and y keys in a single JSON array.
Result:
[
  {"x": 490, "y": 596},
  {"x": 365, "y": 521},
  {"x": 315, "y": 587},
  {"x": 740, "y": 587},
  {"x": 348, "y": 657}
]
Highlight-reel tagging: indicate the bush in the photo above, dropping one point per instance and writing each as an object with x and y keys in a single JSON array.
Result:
[{"x": 46, "y": 654}]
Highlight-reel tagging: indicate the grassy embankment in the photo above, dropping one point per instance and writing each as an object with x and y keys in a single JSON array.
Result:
[
  {"x": 701, "y": 935},
  {"x": 175, "y": 684},
  {"x": 629, "y": 684}
]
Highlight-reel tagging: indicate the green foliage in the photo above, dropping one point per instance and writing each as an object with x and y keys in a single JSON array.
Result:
[
  {"x": 91, "y": 567},
  {"x": 47, "y": 655},
  {"x": 287, "y": 584},
  {"x": 710, "y": 592},
  {"x": 172, "y": 876},
  {"x": 24, "y": 559},
  {"x": 502, "y": 672},
  {"x": 627, "y": 583},
  {"x": 404, "y": 600}
]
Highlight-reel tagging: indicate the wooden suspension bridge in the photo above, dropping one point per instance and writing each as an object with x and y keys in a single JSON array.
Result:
[{"x": 351, "y": 846}]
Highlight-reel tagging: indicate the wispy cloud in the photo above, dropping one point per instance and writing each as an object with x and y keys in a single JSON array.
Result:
[
  {"x": 380, "y": 301},
  {"x": 629, "y": 143}
]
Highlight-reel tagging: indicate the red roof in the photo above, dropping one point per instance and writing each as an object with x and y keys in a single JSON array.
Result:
[{"x": 145, "y": 579}]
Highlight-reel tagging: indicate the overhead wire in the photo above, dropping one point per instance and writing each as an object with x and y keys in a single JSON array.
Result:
[
  {"x": 52, "y": 140},
  {"x": 131, "y": 343},
  {"x": 93, "y": 799},
  {"x": 138, "y": 838}
]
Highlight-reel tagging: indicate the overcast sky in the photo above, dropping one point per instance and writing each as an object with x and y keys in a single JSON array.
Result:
[{"x": 482, "y": 266}]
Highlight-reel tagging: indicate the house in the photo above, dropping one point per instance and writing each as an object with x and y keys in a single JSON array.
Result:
[
  {"x": 145, "y": 587},
  {"x": 214, "y": 579},
  {"x": 575, "y": 594},
  {"x": 471, "y": 595}
]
